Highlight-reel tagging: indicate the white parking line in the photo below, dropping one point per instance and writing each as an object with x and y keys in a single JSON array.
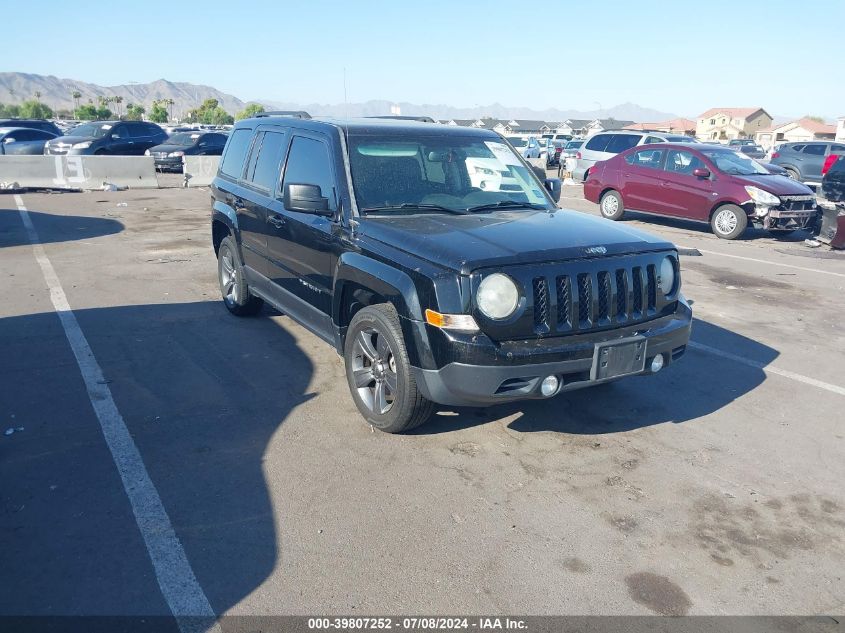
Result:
[
  {"x": 773, "y": 263},
  {"x": 769, "y": 369},
  {"x": 175, "y": 577}
]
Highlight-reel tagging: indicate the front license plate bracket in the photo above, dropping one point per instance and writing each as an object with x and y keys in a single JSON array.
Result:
[{"x": 619, "y": 358}]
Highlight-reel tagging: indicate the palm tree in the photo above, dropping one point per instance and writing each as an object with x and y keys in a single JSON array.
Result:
[
  {"x": 76, "y": 96},
  {"x": 12, "y": 93},
  {"x": 118, "y": 100},
  {"x": 38, "y": 96},
  {"x": 170, "y": 103}
]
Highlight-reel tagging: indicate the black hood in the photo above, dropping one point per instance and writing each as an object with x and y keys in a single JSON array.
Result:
[{"x": 469, "y": 242}]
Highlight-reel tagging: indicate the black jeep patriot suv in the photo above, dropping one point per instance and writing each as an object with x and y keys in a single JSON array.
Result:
[{"x": 437, "y": 264}]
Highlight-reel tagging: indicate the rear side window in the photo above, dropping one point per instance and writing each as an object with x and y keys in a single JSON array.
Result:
[
  {"x": 793, "y": 148},
  {"x": 621, "y": 142},
  {"x": 650, "y": 158},
  {"x": 308, "y": 164},
  {"x": 654, "y": 139},
  {"x": 235, "y": 152},
  {"x": 268, "y": 164},
  {"x": 136, "y": 131},
  {"x": 816, "y": 149},
  {"x": 839, "y": 166},
  {"x": 598, "y": 142},
  {"x": 837, "y": 148}
]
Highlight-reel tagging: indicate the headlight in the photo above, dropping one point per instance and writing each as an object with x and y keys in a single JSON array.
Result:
[
  {"x": 497, "y": 296},
  {"x": 762, "y": 197},
  {"x": 175, "y": 154},
  {"x": 666, "y": 278},
  {"x": 84, "y": 145},
  {"x": 146, "y": 152},
  {"x": 485, "y": 171}
]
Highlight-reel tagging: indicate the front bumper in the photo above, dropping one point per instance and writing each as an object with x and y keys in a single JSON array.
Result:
[
  {"x": 516, "y": 377},
  {"x": 165, "y": 163},
  {"x": 784, "y": 220}
]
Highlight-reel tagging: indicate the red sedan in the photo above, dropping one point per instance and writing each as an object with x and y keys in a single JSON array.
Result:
[{"x": 707, "y": 183}]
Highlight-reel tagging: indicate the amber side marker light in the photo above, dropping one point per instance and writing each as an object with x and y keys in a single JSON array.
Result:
[{"x": 458, "y": 322}]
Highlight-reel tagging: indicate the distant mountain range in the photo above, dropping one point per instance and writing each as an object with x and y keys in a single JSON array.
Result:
[{"x": 56, "y": 92}]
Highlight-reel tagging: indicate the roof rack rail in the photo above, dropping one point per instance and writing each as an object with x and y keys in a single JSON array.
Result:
[
  {"x": 398, "y": 117},
  {"x": 297, "y": 114}
]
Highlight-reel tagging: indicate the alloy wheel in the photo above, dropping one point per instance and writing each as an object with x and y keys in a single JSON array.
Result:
[
  {"x": 228, "y": 278},
  {"x": 374, "y": 370}
]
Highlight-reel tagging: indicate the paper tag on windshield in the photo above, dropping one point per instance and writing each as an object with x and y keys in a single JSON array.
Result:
[
  {"x": 105, "y": 126},
  {"x": 503, "y": 153}
]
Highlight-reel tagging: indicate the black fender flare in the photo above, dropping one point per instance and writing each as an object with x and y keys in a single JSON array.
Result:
[{"x": 225, "y": 215}]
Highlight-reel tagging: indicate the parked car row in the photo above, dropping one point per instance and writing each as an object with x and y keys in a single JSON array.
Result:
[
  {"x": 705, "y": 183},
  {"x": 803, "y": 161}
]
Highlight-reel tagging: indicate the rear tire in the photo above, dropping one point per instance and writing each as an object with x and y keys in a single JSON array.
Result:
[
  {"x": 233, "y": 286},
  {"x": 611, "y": 206},
  {"x": 379, "y": 373},
  {"x": 729, "y": 222}
]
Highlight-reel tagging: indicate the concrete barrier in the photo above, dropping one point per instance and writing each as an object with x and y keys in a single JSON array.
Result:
[
  {"x": 200, "y": 170},
  {"x": 78, "y": 172}
]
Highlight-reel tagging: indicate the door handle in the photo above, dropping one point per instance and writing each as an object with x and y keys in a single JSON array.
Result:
[{"x": 277, "y": 221}]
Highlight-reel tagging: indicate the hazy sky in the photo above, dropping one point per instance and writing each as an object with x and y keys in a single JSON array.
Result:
[{"x": 681, "y": 57}]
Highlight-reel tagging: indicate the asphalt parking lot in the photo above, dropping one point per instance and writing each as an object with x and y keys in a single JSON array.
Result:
[{"x": 714, "y": 487}]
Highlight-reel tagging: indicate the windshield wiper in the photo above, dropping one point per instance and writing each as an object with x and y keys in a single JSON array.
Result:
[
  {"x": 411, "y": 205},
  {"x": 507, "y": 204}
]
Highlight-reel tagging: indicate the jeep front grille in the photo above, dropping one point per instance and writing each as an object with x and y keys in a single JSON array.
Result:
[{"x": 601, "y": 298}]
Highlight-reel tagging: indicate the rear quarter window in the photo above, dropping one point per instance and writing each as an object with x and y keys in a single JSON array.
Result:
[
  {"x": 621, "y": 142},
  {"x": 598, "y": 143},
  {"x": 838, "y": 167},
  {"x": 234, "y": 154}
]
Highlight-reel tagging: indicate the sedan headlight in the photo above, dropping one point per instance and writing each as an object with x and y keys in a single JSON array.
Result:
[
  {"x": 762, "y": 197},
  {"x": 83, "y": 145},
  {"x": 497, "y": 297},
  {"x": 666, "y": 278},
  {"x": 175, "y": 154},
  {"x": 146, "y": 152}
]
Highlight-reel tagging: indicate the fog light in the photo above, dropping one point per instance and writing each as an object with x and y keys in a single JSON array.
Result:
[
  {"x": 549, "y": 386},
  {"x": 657, "y": 363}
]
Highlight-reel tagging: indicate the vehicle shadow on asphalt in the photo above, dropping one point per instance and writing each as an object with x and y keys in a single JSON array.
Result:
[
  {"x": 695, "y": 386},
  {"x": 53, "y": 227},
  {"x": 202, "y": 394}
]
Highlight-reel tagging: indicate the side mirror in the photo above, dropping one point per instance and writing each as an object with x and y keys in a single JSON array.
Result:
[
  {"x": 305, "y": 198},
  {"x": 701, "y": 172},
  {"x": 553, "y": 185}
]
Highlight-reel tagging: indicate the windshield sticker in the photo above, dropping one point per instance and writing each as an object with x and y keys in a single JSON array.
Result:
[
  {"x": 503, "y": 153},
  {"x": 105, "y": 126}
]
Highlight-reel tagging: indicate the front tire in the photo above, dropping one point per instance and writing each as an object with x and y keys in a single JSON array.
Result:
[
  {"x": 379, "y": 373},
  {"x": 233, "y": 286},
  {"x": 611, "y": 206},
  {"x": 729, "y": 222}
]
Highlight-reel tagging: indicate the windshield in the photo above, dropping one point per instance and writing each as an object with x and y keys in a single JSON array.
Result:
[
  {"x": 734, "y": 164},
  {"x": 93, "y": 130},
  {"x": 574, "y": 144},
  {"x": 183, "y": 138},
  {"x": 517, "y": 142},
  {"x": 452, "y": 173}
]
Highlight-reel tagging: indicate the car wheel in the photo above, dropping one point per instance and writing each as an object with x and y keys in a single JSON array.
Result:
[
  {"x": 792, "y": 173},
  {"x": 379, "y": 373},
  {"x": 611, "y": 206},
  {"x": 233, "y": 286},
  {"x": 729, "y": 222}
]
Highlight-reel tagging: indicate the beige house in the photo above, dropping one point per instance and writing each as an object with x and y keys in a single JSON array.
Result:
[
  {"x": 728, "y": 123},
  {"x": 801, "y": 130}
]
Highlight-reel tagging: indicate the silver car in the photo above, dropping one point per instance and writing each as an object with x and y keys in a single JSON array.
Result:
[{"x": 605, "y": 145}]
